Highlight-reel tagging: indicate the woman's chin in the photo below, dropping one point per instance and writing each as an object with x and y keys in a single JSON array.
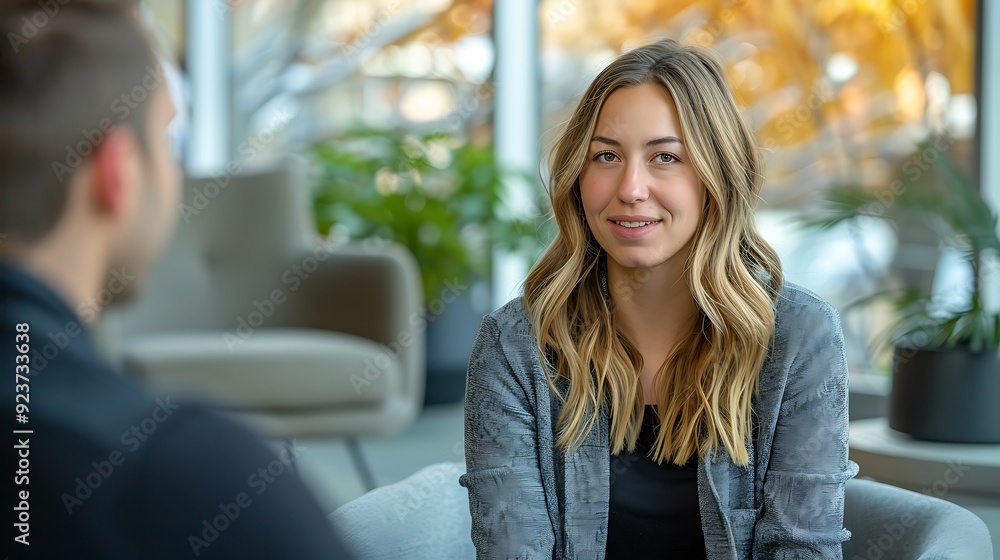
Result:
[{"x": 633, "y": 259}]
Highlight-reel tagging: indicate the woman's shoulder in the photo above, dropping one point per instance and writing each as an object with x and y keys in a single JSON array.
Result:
[
  {"x": 511, "y": 331},
  {"x": 511, "y": 318},
  {"x": 805, "y": 327},
  {"x": 799, "y": 308},
  {"x": 808, "y": 340}
]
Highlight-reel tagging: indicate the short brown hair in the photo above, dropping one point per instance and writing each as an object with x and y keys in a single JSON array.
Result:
[{"x": 70, "y": 71}]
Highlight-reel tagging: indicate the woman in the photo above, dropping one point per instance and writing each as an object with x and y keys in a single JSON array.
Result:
[{"x": 658, "y": 392}]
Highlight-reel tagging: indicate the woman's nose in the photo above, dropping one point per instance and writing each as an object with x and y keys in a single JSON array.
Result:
[{"x": 634, "y": 186}]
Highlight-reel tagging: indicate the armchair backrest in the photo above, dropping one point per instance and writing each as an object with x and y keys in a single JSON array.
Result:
[{"x": 235, "y": 238}]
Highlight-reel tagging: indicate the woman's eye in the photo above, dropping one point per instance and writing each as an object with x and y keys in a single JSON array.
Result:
[
  {"x": 605, "y": 157},
  {"x": 666, "y": 158}
]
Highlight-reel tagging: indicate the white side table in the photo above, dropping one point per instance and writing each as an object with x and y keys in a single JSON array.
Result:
[
  {"x": 967, "y": 474},
  {"x": 944, "y": 470}
]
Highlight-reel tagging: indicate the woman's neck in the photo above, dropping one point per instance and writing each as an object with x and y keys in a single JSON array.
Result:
[{"x": 653, "y": 306}]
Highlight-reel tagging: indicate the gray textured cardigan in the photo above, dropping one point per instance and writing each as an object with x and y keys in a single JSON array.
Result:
[{"x": 530, "y": 500}]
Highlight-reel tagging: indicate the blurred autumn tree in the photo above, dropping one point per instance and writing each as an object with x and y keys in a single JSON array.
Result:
[{"x": 837, "y": 89}]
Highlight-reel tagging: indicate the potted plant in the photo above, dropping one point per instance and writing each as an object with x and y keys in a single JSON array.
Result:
[
  {"x": 946, "y": 357},
  {"x": 442, "y": 197}
]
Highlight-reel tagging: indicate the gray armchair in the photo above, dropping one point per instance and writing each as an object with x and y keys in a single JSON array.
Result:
[
  {"x": 891, "y": 523},
  {"x": 423, "y": 517},
  {"x": 296, "y": 336}
]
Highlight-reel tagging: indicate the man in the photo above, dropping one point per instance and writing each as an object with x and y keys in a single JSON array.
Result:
[{"x": 88, "y": 197}]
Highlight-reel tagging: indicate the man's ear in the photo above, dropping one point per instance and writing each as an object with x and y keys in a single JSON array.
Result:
[{"x": 115, "y": 171}]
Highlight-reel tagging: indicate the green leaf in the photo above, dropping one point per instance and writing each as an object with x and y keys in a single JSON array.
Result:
[
  {"x": 933, "y": 190},
  {"x": 396, "y": 184}
]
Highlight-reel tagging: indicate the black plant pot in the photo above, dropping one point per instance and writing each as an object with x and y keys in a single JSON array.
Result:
[
  {"x": 452, "y": 324},
  {"x": 946, "y": 395}
]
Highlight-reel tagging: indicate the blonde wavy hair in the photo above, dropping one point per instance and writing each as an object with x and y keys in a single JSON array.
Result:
[{"x": 705, "y": 386}]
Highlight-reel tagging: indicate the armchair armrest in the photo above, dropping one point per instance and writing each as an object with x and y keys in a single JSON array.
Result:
[{"x": 370, "y": 291}]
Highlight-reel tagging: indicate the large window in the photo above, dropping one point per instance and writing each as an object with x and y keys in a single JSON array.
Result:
[
  {"x": 420, "y": 64},
  {"x": 839, "y": 92}
]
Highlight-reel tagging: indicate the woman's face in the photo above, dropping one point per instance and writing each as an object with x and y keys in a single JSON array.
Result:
[{"x": 641, "y": 196}]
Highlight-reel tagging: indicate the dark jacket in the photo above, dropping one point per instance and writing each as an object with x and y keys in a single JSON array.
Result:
[{"x": 109, "y": 471}]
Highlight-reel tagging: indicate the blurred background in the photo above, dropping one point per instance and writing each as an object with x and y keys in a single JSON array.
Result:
[
  {"x": 840, "y": 92},
  {"x": 425, "y": 124}
]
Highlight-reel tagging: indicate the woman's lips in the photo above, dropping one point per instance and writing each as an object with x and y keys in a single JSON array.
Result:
[{"x": 633, "y": 232}]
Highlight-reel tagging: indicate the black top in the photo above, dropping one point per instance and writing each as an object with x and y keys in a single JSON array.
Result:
[
  {"x": 109, "y": 471},
  {"x": 653, "y": 508}
]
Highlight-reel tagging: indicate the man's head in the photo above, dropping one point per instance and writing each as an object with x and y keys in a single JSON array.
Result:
[{"x": 85, "y": 164}]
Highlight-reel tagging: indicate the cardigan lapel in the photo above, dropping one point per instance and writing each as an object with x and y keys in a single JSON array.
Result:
[
  {"x": 713, "y": 493},
  {"x": 585, "y": 476}
]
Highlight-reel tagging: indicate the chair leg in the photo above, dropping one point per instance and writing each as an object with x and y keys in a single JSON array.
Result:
[{"x": 364, "y": 471}]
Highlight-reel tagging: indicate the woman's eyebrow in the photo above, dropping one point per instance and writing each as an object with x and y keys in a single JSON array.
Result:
[{"x": 653, "y": 142}]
